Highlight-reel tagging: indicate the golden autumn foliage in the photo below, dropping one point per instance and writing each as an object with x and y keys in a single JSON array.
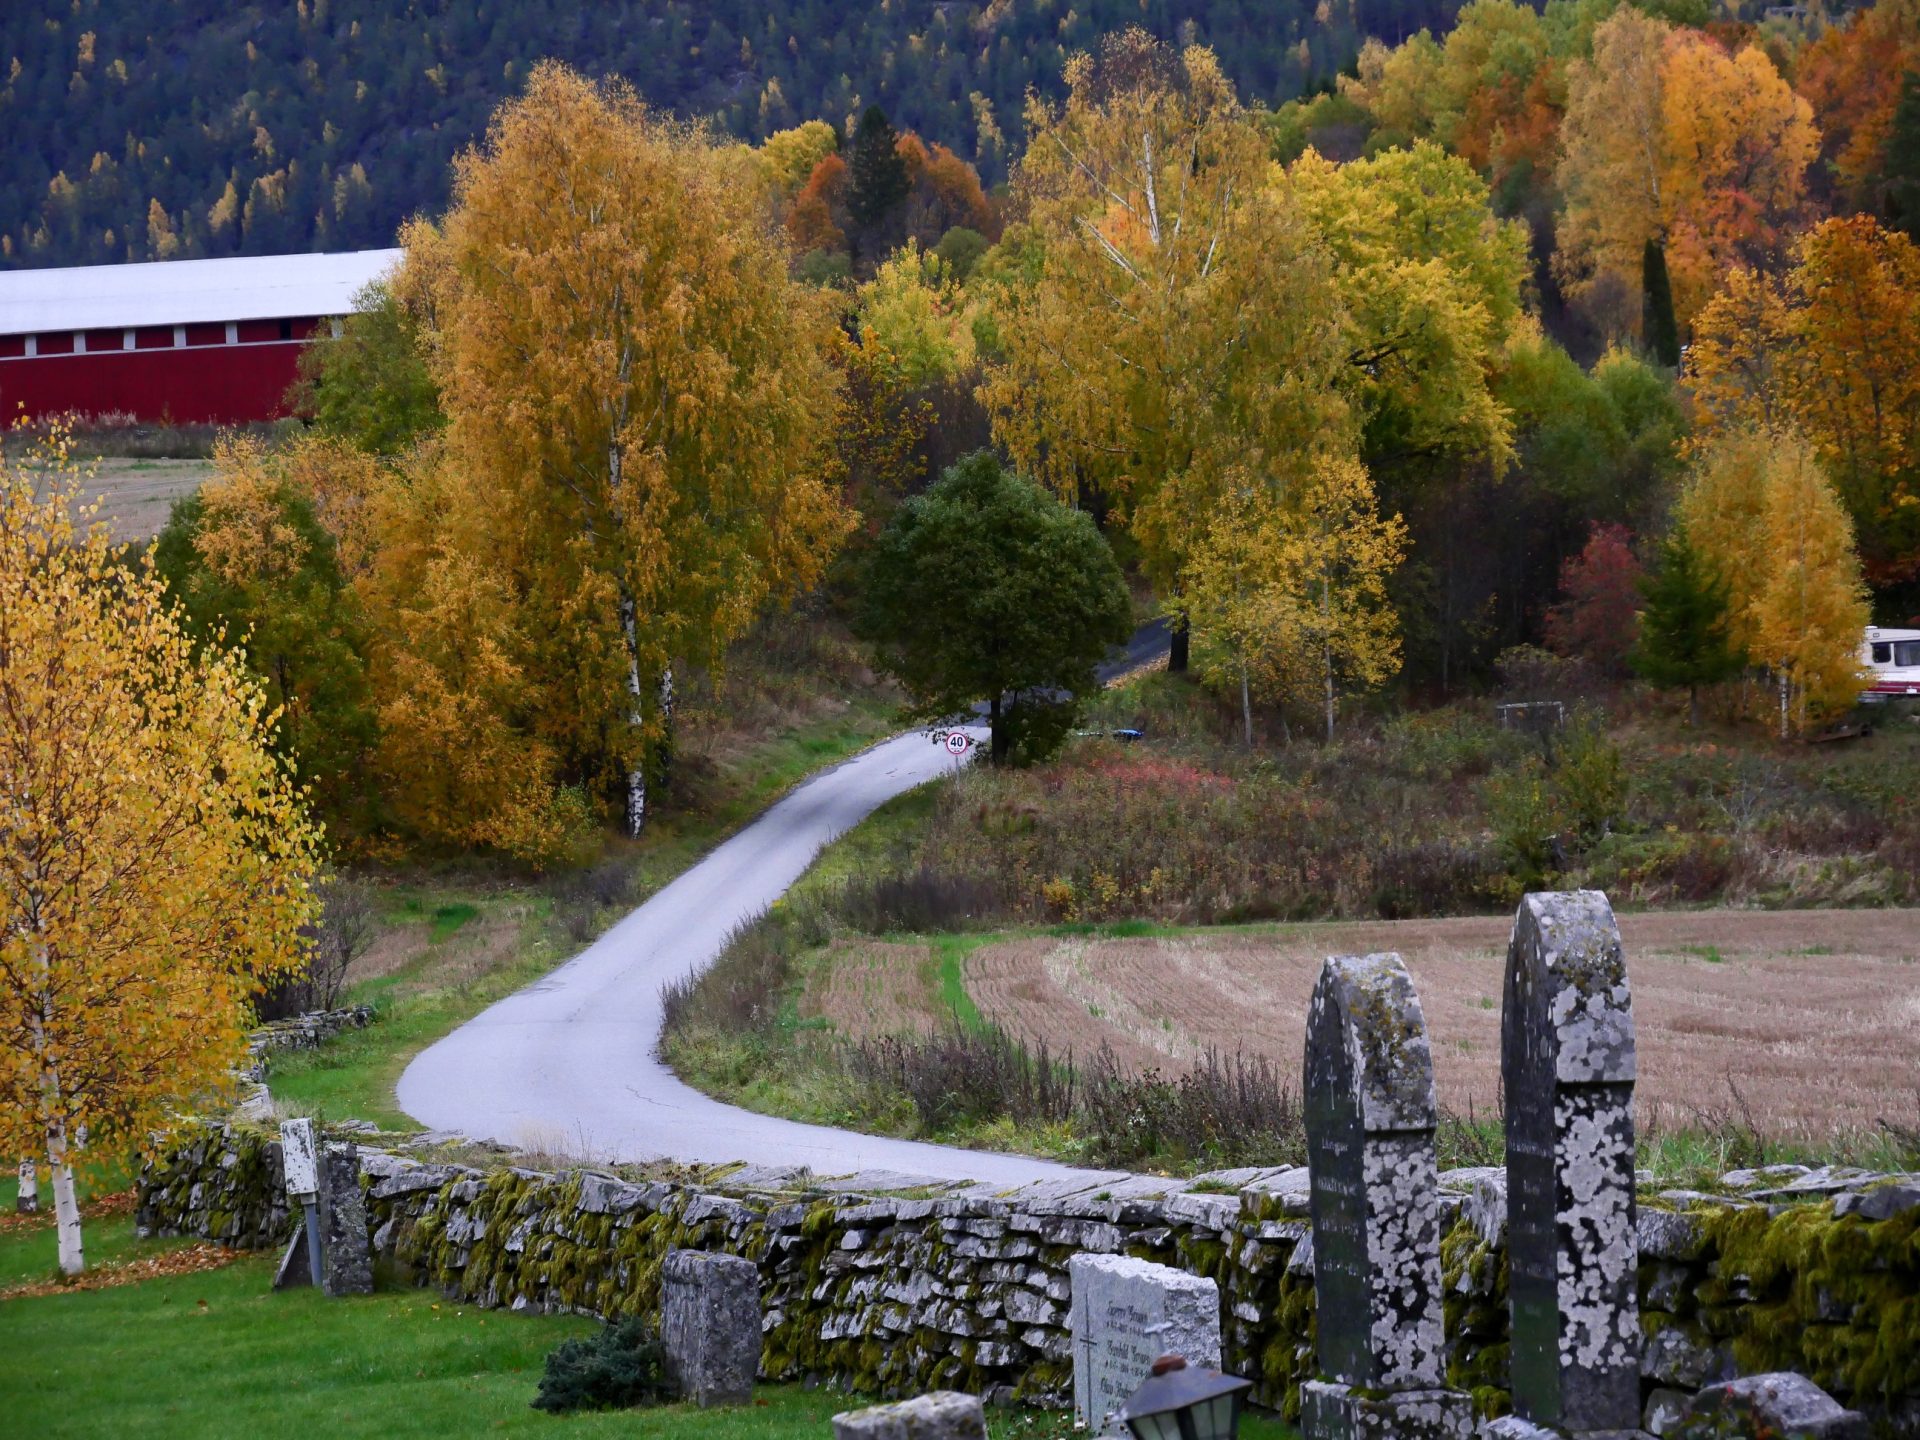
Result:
[
  {"x": 1834, "y": 350},
  {"x": 1182, "y": 323},
  {"x": 637, "y": 400},
  {"x": 1670, "y": 137},
  {"x": 1287, "y": 596},
  {"x": 155, "y": 858},
  {"x": 1851, "y": 74},
  {"x": 1763, "y": 513}
]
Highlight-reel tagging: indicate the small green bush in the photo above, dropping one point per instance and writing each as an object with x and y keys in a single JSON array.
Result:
[{"x": 617, "y": 1368}]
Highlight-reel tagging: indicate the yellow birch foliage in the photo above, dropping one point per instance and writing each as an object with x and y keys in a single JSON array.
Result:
[
  {"x": 1834, "y": 350},
  {"x": 1183, "y": 322},
  {"x": 1289, "y": 593},
  {"x": 1761, "y": 510},
  {"x": 155, "y": 857},
  {"x": 1811, "y": 607},
  {"x": 638, "y": 402}
]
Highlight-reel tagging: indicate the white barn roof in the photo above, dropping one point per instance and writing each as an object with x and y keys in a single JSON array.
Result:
[{"x": 187, "y": 292}]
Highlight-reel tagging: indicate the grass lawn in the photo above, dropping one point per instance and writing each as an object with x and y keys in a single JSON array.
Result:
[
  {"x": 217, "y": 1353},
  {"x": 455, "y": 943}
]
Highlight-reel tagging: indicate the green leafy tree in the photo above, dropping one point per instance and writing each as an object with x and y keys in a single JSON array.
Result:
[
  {"x": 252, "y": 566},
  {"x": 1683, "y": 627},
  {"x": 370, "y": 385},
  {"x": 988, "y": 588}
]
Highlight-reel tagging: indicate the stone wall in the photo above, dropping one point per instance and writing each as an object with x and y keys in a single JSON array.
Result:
[{"x": 967, "y": 1287}]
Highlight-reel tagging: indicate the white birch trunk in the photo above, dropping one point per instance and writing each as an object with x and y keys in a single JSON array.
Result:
[
  {"x": 27, "y": 1199},
  {"x": 636, "y": 717},
  {"x": 66, "y": 1208},
  {"x": 1783, "y": 704}
]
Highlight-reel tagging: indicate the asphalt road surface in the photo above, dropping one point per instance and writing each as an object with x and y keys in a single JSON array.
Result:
[{"x": 567, "y": 1065}]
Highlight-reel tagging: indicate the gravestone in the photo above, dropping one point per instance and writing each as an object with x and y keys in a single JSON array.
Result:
[
  {"x": 710, "y": 1325},
  {"x": 943, "y": 1415},
  {"x": 302, "y": 1264},
  {"x": 1125, "y": 1314},
  {"x": 26, "y": 1199},
  {"x": 1376, "y": 1216},
  {"x": 346, "y": 1260},
  {"x": 1567, "y": 1068}
]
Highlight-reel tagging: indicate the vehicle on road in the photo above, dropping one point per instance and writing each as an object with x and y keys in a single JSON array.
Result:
[{"x": 1891, "y": 659}]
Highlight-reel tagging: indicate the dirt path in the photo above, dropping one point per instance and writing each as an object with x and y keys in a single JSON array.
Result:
[{"x": 1813, "y": 1014}]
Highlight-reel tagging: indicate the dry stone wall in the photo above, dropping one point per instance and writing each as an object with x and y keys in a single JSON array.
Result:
[{"x": 967, "y": 1288}]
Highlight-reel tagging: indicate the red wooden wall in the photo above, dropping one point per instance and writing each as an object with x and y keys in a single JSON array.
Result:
[{"x": 206, "y": 381}]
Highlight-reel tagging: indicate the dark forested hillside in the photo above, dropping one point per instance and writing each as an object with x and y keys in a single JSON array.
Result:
[{"x": 145, "y": 128}]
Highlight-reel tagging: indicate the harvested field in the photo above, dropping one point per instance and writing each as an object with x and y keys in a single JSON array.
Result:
[
  {"x": 137, "y": 494},
  {"x": 878, "y": 987},
  {"x": 1813, "y": 1014}
]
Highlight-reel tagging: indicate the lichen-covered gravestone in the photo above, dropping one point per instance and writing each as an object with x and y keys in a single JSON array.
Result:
[
  {"x": 1376, "y": 1222},
  {"x": 1567, "y": 1066},
  {"x": 710, "y": 1325},
  {"x": 1126, "y": 1314},
  {"x": 943, "y": 1415}
]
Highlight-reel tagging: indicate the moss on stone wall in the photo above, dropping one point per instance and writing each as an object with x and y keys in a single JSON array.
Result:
[{"x": 889, "y": 1295}]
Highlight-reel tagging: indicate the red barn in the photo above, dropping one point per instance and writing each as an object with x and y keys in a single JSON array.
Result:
[{"x": 189, "y": 341}]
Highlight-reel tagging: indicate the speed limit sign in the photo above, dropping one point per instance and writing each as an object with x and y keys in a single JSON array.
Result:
[{"x": 958, "y": 742}]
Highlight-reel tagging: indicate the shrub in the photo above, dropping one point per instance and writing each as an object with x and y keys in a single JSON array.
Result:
[
  {"x": 616, "y": 1368},
  {"x": 1435, "y": 877},
  {"x": 1591, "y": 781},
  {"x": 339, "y": 937},
  {"x": 924, "y": 900}
]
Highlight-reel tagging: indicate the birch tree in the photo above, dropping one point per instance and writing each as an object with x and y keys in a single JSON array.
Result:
[
  {"x": 640, "y": 395},
  {"x": 154, "y": 852},
  {"x": 1183, "y": 322}
]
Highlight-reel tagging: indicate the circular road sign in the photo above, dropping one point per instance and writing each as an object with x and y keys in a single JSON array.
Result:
[{"x": 958, "y": 742}]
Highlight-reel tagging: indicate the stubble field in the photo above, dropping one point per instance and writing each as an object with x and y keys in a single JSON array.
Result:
[{"x": 1801, "y": 1024}]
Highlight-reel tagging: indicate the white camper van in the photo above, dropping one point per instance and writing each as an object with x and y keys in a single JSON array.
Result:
[{"x": 1891, "y": 659}]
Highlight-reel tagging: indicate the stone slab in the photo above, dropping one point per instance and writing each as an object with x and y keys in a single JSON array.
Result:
[
  {"x": 943, "y": 1415},
  {"x": 710, "y": 1325},
  {"x": 294, "y": 1269},
  {"x": 1125, "y": 1314},
  {"x": 300, "y": 1157},
  {"x": 1780, "y": 1406},
  {"x": 1336, "y": 1412}
]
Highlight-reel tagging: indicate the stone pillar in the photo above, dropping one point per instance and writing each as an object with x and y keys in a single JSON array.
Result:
[
  {"x": 710, "y": 1325},
  {"x": 1376, "y": 1212},
  {"x": 346, "y": 1262},
  {"x": 1567, "y": 1066}
]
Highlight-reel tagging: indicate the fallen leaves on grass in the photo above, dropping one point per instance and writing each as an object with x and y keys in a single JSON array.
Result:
[
  {"x": 188, "y": 1260},
  {"x": 121, "y": 1202}
]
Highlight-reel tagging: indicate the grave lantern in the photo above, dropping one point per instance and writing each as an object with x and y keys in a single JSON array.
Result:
[{"x": 1179, "y": 1403}]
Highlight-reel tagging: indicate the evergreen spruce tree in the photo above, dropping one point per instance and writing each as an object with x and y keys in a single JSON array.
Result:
[
  {"x": 1683, "y": 629},
  {"x": 1657, "y": 323},
  {"x": 880, "y": 181},
  {"x": 1903, "y": 159}
]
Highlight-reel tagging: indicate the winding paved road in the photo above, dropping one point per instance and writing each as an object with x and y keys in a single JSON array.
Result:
[{"x": 568, "y": 1063}]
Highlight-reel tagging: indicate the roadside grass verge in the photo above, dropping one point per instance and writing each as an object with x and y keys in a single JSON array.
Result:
[
  {"x": 453, "y": 940},
  {"x": 218, "y": 1353}
]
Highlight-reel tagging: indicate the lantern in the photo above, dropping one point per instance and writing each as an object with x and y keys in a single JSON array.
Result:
[{"x": 1179, "y": 1403}]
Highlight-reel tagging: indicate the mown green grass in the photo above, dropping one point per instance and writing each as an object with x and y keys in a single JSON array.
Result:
[
  {"x": 217, "y": 1353},
  {"x": 354, "y": 1077}
]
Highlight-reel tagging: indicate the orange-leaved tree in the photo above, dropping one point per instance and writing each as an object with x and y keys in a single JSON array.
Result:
[
  {"x": 1671, "y": 138},
  {"x": 1834, "y": 350},
  {"x": 638, "y": 401},
  {"x": 155, "y": 854}
]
